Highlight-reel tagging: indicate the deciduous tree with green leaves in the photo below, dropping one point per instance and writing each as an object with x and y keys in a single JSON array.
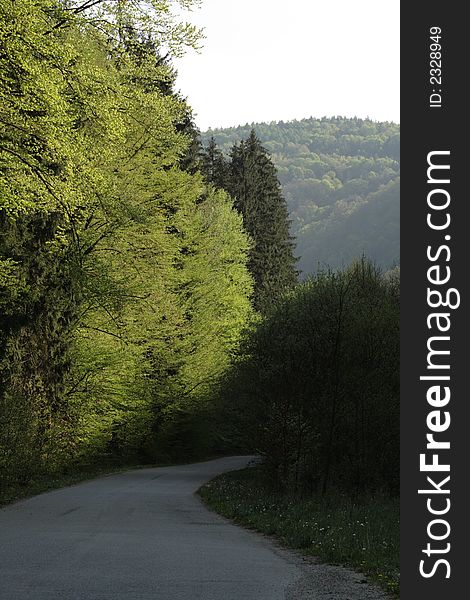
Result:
[{"x": 123, "y": 275}]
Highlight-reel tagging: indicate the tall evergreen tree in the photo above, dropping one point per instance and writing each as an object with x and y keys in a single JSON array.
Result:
[
  {"x": 214, "y": 165},
  {"x": 253, "y": 184}
]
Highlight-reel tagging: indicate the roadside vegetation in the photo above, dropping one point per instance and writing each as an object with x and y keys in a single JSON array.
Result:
[
  {"x": 314, "y": 391},
  {"x": 361, "y": 533}
]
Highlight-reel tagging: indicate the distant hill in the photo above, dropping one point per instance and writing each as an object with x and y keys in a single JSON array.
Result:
[{"x": 341, "y": 180}]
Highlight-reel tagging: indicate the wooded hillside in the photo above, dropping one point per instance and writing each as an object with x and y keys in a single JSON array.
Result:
[{"x": 341, "y": 181}]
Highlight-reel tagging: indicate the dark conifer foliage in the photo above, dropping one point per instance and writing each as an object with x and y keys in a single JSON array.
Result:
[
  {"x": 251, "y": 179},
  {"x": 214, "y": 165},
  {"x": 257, "y": 192}
]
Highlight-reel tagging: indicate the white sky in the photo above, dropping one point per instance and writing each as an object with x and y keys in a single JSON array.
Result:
[{"x": 271, "y": 60}]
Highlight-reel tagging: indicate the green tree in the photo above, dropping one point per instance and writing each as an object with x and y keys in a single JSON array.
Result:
[
  {"x": 123, "y": 279},
  {"x": 214, "y": 165},
  {"x": 315, "y": 386},
  {"x": 257, "y": 195}
]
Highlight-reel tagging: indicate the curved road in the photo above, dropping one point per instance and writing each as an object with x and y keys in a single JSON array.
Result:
[{"x": 144, "y": 535}]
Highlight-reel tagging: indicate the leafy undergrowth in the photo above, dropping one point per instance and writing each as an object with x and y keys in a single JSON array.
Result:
[{"x": 360, "y": 533}]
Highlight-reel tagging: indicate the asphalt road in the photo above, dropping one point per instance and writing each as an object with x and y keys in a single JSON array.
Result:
[
  {"x": 144, "y": 535},
  {"x": 137, "y": 535}
]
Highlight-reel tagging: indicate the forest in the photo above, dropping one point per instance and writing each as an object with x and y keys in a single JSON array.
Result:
[
  {"x": 340, "y": 177},
  {"x": 152, "y": 307},
  {"x": 124, "y": 284}
]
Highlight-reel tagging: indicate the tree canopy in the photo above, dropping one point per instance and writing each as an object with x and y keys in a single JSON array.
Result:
[
  {"x": 250, "y": 177},
  {"x": 123, "y": 277}
]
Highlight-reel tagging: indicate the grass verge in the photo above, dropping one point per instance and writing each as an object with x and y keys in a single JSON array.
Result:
[{"x": 358, "y": 533}]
